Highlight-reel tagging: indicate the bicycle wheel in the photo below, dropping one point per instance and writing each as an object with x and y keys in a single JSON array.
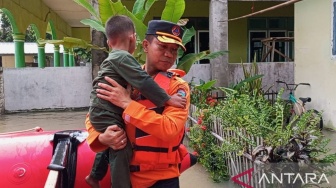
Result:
[{"x": 315, "y": 114}]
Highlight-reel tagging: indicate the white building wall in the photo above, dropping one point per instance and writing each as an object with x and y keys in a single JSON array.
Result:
[
  {"x": 313, "y": 59},
  {"x": 46, "y": 88},
  {"x": 32, "y": 88},
  {"x": 272, "y": 72}
]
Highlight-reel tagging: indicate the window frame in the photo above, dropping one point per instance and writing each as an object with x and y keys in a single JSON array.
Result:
[
  {"x": 249, "y": 40},
  {"x": 197, "y": 42}
]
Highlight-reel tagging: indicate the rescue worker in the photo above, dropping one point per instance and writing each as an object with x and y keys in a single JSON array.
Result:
[{"x": 156, "y": 137}]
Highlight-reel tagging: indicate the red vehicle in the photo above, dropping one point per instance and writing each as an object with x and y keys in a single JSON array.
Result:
[
  {"x": 46, "y": 159},
  {"x": 51, "y": 159}
]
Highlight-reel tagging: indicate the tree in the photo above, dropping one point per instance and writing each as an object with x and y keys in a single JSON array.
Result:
[
  {"x": 6, "y": 29},
  {"x": 30, "y": 35},
  {"x": 173, "y": 12}
]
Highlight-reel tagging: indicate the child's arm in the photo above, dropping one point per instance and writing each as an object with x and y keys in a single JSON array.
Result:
[{"x": 132, "y": 72}]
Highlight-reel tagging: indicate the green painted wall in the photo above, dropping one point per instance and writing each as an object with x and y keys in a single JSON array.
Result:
[{"x": 82, "y": 33}]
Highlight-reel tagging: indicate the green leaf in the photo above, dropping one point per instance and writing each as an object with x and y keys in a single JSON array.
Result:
[
  {"x": 107, "y": 9},
  {"x": 188, "y": 60},
  {"x": 173, "y": 10},
  {"x": 141, "y": 8},
  {"x": 70, "y": 42},
  {"x": 206, "y": 86},
  {"x": 138, "y": 7},
  {"x": 214, "y": 55},
  {"x": 119, "y": 8},
  {"x": 140, "y": 27},
  {"x": 250, "y": 79},
  {"x": 94, "y": 24},
  {"x": 187, "y": 35},
  {"x": 88, "y": 7}
]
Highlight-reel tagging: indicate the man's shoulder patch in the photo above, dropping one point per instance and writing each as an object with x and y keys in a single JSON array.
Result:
[{"x": 182, "y": 92}]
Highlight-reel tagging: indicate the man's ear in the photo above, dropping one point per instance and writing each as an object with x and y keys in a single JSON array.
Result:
[{"x": 145, "y": 44}]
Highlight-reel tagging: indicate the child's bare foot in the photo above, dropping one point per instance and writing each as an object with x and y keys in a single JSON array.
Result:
[{"x": 92, "y": 182}]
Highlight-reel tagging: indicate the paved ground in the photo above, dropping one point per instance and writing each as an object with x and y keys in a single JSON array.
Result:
[{"x": 197, "y": 177}]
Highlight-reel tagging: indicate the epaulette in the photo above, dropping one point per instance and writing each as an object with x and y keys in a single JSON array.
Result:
[
  {"x": 177, "y": 72},
  {"x": 170, "y": 74}
]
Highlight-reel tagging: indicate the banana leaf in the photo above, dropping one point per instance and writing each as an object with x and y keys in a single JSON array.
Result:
[
  {"x": 106, "y": 10},
  {"x": 187, "y": 35},
  {"x": 88, "y": 7},
  {"x": 208, "y": 85},
  {"x": 94, "y": 24},
  {"x": 141, "y": 8},
  {"x": 214, "y": 55},
  {"x": 119, "y": 8},
  {"x": 173, "y": 10},
  {"x": 188, "y": 60},
  {"x": 70, "y": 42}
]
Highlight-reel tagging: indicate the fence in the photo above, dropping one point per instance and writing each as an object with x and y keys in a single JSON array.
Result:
[{"x": 237, "y": 164}]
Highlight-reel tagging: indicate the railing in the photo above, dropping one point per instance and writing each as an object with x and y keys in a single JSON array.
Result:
[
  {"x": 271, "y": 96},
  {"x": 236, "y": 164}
]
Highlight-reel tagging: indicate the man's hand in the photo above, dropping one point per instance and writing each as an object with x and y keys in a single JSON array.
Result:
[
  {"x": 177, "y": 100},
  {"x": 114, "y": 137},
  {"x": 117, "y": 95}
]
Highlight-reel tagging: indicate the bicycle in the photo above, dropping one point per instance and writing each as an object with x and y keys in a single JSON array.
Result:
[{"x": 297, "y": 106}]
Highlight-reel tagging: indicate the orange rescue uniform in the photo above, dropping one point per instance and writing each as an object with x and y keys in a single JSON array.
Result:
[{"x": 166, "y": 127}]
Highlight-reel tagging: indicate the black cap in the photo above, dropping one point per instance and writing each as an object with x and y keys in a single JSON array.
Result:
[{"x": 167, "y": 32}]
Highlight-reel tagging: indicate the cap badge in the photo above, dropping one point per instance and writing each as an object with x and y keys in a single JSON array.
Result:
[{"x": 176, "y": 30}]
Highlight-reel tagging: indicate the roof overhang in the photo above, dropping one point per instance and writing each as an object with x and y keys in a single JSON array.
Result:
[
  {"x": 30, "y": 48},
  {"x": 69, "y": 11}
]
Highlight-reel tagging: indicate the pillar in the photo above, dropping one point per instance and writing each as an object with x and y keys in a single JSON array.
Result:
[
  {"x": 41, "y": 58},
  {"x": 71, "y": 58},
  {"x": 65, "y": 57},
  {"x": 218, "y": 33},
  {"x": 56, "y": 56},
  {"x": 19, "y": 50}
]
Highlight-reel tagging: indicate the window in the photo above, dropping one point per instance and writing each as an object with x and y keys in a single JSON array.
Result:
[
  {"x": 280, "y": 46},
  {"x": 262, "y": 28},
  {"x": 200, "y": 41},
  {"x": 290, "y": 48},
  {"x": 203, "y": 44},
  {"x": 256, "y": 46}
]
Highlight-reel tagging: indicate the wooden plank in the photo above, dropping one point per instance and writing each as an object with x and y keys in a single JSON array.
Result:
[
  {"x": 269, "y": 43},
  {"x": 52, "y": 179}
]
